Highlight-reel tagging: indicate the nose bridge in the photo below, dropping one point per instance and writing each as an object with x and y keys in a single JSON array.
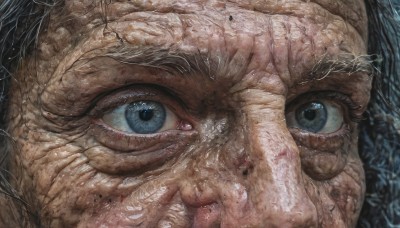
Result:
[{"x": 275, "y": 186}]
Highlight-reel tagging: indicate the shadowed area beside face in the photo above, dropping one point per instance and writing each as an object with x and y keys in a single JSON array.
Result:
[{"x": 229, "y": 73}]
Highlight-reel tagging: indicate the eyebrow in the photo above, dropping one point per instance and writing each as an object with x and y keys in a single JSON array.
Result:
[
  {"x": 188, "y": 63},
  {"x": 344, "y": 63},
  {"x": 167, "y": 59}
]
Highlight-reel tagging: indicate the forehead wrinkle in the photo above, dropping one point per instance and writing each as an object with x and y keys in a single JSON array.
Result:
[
  {"x": 351, "y": 11},
  {"x": 317, "y": 8}
]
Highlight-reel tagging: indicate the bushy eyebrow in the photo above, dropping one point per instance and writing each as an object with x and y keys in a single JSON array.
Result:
[
  {"x": 187, "y": 63},
  {"x": 344, "y": 63},
  {"x": 173, "y": 61}
]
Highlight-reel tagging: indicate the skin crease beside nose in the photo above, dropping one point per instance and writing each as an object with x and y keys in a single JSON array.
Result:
[{"x": 229, "y": 72}]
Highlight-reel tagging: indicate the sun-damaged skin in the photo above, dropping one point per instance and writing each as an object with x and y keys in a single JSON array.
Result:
[{"x": 231, "y": 160}]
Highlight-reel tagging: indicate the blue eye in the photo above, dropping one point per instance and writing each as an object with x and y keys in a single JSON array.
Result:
[
  {"x": 141, "y": 117},
  {"x": 312, "y": 116},
  {"x": 145, "y": 117},
  {"x": 320, "y": 116}
]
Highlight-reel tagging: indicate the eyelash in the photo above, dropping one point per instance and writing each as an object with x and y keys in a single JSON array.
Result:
[
  {"x": 113, "y": 99},
  {"x": 352, "y": 108}
]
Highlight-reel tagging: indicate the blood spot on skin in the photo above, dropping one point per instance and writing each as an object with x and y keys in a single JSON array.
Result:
[
  {"x": 285, "y": 154},
  {"x": 207, "y": 216},
  {"x": 282, "y": 154}
]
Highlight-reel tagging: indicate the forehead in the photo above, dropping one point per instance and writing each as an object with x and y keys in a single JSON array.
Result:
[
  {"x": 352, "y": 11},
  {"x": 201, "y": 25}
]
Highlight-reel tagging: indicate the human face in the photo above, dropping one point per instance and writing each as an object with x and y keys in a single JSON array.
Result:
[{"x": 177, "y": 113}]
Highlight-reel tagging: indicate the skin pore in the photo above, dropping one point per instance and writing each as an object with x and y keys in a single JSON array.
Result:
[{"x": 232, "y": 77}]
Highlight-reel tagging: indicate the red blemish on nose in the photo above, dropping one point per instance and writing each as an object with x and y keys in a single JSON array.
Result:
[
  {"x": 282, "y": 154},
  {"x": 286, "y": 153},
  {"x": 207, "y": 216}
]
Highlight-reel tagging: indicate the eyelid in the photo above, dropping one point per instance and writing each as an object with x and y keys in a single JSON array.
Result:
[
  {"x": 140, "y": 93},
  {"x": 316, "y": 141}
]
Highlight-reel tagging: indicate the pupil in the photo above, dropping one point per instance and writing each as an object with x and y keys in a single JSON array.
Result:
[
  {"x": 310, "y": 114},
  {"x": 146, "y": 114}
]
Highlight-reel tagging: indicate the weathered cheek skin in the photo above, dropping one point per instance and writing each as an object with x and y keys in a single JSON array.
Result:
[{"x": 240, "y": 166}]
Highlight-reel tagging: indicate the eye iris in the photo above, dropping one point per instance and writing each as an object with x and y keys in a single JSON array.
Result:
[
  {"x": 312, "y": 116},
  {"x": 145, "y": 117}
]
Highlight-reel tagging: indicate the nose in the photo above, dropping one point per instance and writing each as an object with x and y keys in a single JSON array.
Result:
[
  {"x": 262, "y": 187},
  {"x": 276, "y": 194}
]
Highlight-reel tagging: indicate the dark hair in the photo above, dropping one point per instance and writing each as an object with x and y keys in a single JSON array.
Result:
[
  {"x": 20, "y": 23},
  {"x": 380, "y": 133},
  {"x": 21, "y": 20}
]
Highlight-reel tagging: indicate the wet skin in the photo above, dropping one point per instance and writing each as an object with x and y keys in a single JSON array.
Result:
[{"x": 235, "y": 80}]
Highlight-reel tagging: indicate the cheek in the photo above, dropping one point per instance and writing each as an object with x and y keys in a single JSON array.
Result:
[
  {"x": 71, "y": 192},
  {"x": 339, "y": 200},
  {"x": 348, "y": 189},
  {"x": 153, "y": 203}
]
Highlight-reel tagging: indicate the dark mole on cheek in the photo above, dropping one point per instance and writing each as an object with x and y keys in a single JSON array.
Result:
[{"x": 230, "y": 18}]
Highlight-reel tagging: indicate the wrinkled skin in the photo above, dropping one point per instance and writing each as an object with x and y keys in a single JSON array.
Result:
[{"x": 231, "y": 159}]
